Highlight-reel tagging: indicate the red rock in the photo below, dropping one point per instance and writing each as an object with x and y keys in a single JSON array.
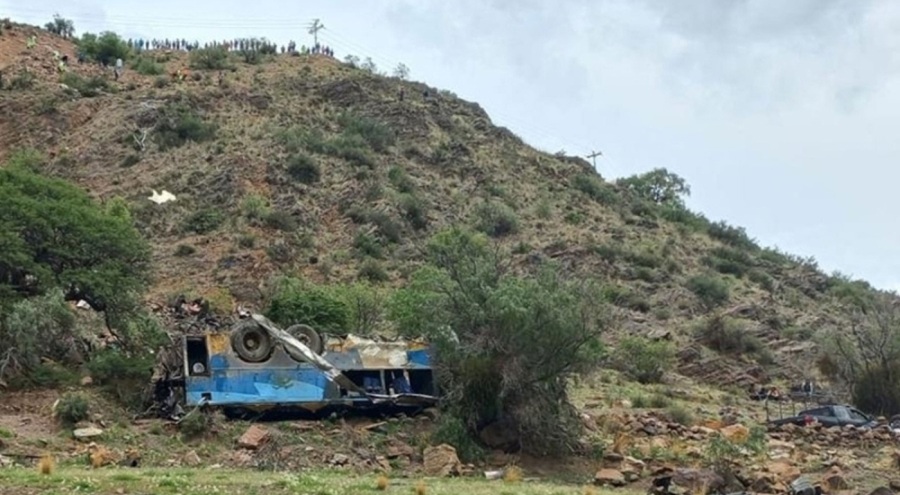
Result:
[
  {"x": 254, "y": 437},
  {"x": 609, "y": 477}
]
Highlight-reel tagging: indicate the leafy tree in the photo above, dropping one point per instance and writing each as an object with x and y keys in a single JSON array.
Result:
[
  {"x": 866, "y": 356},
  {"x": 369, "y": 65},
  {"x": 658, "y": 186},
  {"x": 505, "y": 344},
  {"x": 643, "y": 359},
  {"x": 401, "y": 71},
  {"x": 52, "y": 235},
  {"x": 105, "y": 48},
  {"x": 60, "y": 26}
]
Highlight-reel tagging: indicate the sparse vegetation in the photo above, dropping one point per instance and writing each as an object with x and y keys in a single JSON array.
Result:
[
  {"x": 146, "y": 66},
  {"x": 180, "y": 125},
  {"x": 72, "y": 408},
  {"x": 496, "y": 219},
  {"x": 105, "y": 48},
  {"x": 89, "y": 87},
  {"x": 728, "y": 335},
  {"x": 203, "y": 221},
  {"x": 644, "y": 360},
  {"x": 712, "y": 291},
  {"x": 212, "y": 58},
  {"x": 303, "y": 168}
]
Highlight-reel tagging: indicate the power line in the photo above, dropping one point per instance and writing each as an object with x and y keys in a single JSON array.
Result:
[{"x": 314, "y": 29}]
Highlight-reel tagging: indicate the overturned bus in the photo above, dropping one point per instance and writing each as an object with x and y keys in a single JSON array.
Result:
[{"x": 258, "y": 367}]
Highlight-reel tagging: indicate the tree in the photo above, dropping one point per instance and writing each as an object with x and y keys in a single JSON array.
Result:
[
  {"x": 52, "y": 235},
  {"x": 505, "y": 344},
  {"x": 866, "y": 356},
  {"x": 352, "y": 61},
  {"x": 105, "y": 48},
  {"x": 401, "y": 71},
  {"x": 60, "y": 26},
  {"x": 368, "y": 65},
  {"x": 658, "y": 186}
]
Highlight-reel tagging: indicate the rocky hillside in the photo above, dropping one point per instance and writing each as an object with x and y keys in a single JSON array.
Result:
[{"x": 307, "y": 166}]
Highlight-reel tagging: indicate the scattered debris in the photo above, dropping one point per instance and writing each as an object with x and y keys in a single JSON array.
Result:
[
  {"x": 340, "y": 460},
  {"x": 160, "y": 198}
]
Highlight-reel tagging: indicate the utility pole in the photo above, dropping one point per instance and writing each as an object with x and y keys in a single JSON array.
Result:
[
  {"x": 314, "y": 29},
  {"x": 593, "y": 156}
]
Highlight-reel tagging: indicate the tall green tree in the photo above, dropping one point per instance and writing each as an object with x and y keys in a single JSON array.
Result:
[
  {"x": 658, "y": 186},
  {"x": 53, "y": 235},
  {"x": 505, "y": 343}
]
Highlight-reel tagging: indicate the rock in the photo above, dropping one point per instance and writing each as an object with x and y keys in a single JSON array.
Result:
[
  {"x": 441, "y": 460},
  {"x": 399, "y": 449},
  {"x": 698, "y": 480},
  {"x": 613, "y": 458},
  {"x": 340, "y": 460},
  {"x": 88, "y": 432},
  {"x": 382, "y": 462},
  {"x": 834, "y": 481},
  {"x": 764, "y": 483},
  {"x": 432, "y": 413},
  {"x": 881, "y": 490},
  {"x": 242, "y": 459},
  {"x": 609, "y": 477},
  {"x": 85, "y": 381},
  {"x": 736, "y": 433},
  {"x": 783, "y": 471},
  {"x": 895, "y": 485},
  {"x": 5, "y": 461},
  {"x": 253, "y": 438},
  {"x": 191, "y": 459}
]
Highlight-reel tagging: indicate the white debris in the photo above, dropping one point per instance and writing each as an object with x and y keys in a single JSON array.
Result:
[
  {"x": 165, "y": 197},
  {"x": 82, "y": 304}
]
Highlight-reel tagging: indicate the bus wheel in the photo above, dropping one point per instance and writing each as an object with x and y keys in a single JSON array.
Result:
[
  {"x": 308, "y": 337},
  {"x": 251, "y": 342}
]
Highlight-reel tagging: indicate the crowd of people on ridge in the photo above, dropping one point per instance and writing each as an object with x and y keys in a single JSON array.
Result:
[{"x": 235, "y": 45}]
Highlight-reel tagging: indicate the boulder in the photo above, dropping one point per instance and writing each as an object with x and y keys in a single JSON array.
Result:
[
  {"x": 441, "y": 460},
  {"x": 253, "y": 438},
  {"x": 783, "y": 471},
  {"x": 698, "y": 480},
  {"x": 882, "y": 490},
  {"x": 340, "y": 460},
  {"x": 191, "y": 459},
  {"x": 737, "y": 433},
  {"x": 609, "y": 477},
  {"x": 834, "y": 481},
  {"x": 87, "y": 432}
]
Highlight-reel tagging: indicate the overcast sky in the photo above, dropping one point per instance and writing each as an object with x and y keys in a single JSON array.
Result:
[{"x": 782, "y": 115}]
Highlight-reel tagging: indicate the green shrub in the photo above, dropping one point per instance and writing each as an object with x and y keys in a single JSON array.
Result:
[
  {"x": 625, "y": 298},
  {"x": 89, "y": 87},
  {"x": 255, "y": 207},
  {"x": 453, "y": 431},
  {"x": 181, "y": 125},
  {"x": 712, "y": 291},
  {"x": 372, "y": 271},
  {"x": 303, "y": 168},
  {"x": 23, "y": 80},
  {"x": 496, "y": 219},
  {"x": 762, "y": 278},
  {"x": 401, "y": 180},
  {"x": 376, "y": 134},
  {"x": 733, "y": 236},
  {"x": 595, "y": 188},
  {"x": 680, "y": 414},
  {"x": 387, "y": 226},
  {"x": 798, "y": 333},
  {"x": 574, "y": 218},
  {"x": 659, "y": 401},
  {"x": 280, "y": 220},
  {"x": 645, "y": 258},
  {"x": 123, "y": 375},
  {"x": 105, "y": 48},
  {"x": 728, "y": 335},
  {"x": 367, "y": 245},
  {"x": 642, "y": 359},
  {"x": 146, "y": 66},
  {"x": 160, "y": 82},
  {"x": 72, "y": 408},
  {"x": 352, "y": 149},
  {"x": 729, "y": 261},
  {"x": 296, "y": 301},
  {"x": 246, "y": 241},
  {"x": 212, "y": 58},
  {"x": 203, "y": 221},
  {"x": 195, "y": 424},
  {"x": 131, "y": 160},
  {"x": 414, "y": 211}
]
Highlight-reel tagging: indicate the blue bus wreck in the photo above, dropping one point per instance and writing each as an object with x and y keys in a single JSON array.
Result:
[{"x": 258, "y": 367}]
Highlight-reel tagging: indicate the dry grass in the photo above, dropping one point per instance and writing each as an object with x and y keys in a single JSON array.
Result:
[
  {"x": 513, "y": 474},
  {"x": 382, "y": 483},
  {"x": 47, "y": 464},
  {"x": 421, "y": 489}
]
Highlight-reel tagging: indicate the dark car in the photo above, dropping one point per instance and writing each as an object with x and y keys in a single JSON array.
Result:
[{"x": 829, "y": 416}]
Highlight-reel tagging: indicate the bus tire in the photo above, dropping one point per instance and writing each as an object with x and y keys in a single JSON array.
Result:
[
  {"x": 251, "y": 342},
  {"x": 308, "y": 337}
]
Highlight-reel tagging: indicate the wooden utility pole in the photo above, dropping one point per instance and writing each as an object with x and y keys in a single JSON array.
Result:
[
  {"x": 314, "y": 29},
  {"x": 593, "y": 156}
]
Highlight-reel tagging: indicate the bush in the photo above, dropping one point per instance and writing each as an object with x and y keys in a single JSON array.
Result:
[
  {"x": 711, "y": 291},
  {"x": 303, "y": 168},
  {"x": 296, "y": 301},
  {"x": 105, "y": 48},
  {"x": 762, "y": 278},
  {"x": 72, "y": 408},
  {"x": 414, "y": 211},
  {"x": 625, "y": 298},
  {"x": 644, "y": 360},
  {"x": 88, "y": 88},
  {"x": 212, "y": 58},
  {"x": 401, "y": 180},
  {"x": 496, "y": 219},
  {"x": 377, "y": 135},
  {"x": 180, "y": 125},
  {"x": 185, "y": 250},
  {"x": 680, "y": 415},
  {"x": 372, "y": 271},
  {"x": 23, "y": 80},
  {"x": 280, "y": 220},
  {"x": 367, "y": 245},
  {"x": 195, "y": 424},
  {"x": 146, "y": 66},
  {"x": 125, "y": 376},
  {"x": 352, "y": 149},
  {"x": 161, "y": 82},
  {"x": 390, "y": 230},
  {"x": 514, "y": 341},
  {"x": 203, "y": 221},
  {"x": 452, "y": 431},
  {"x": 728, "y": 335},
  {"x": 729, "y": 261},
  {"x": 733, "y": 236},
  {"x": 365, "y": 304},
  {"x": 255, "y": 207},
  {"x": 595, "y": 188}
]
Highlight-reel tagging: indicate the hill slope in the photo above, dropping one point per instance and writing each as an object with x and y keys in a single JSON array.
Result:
[{"x": 307, "y": 166}]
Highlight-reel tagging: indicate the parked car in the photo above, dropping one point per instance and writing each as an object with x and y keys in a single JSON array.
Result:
[{"x": 828, "y": 416}]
